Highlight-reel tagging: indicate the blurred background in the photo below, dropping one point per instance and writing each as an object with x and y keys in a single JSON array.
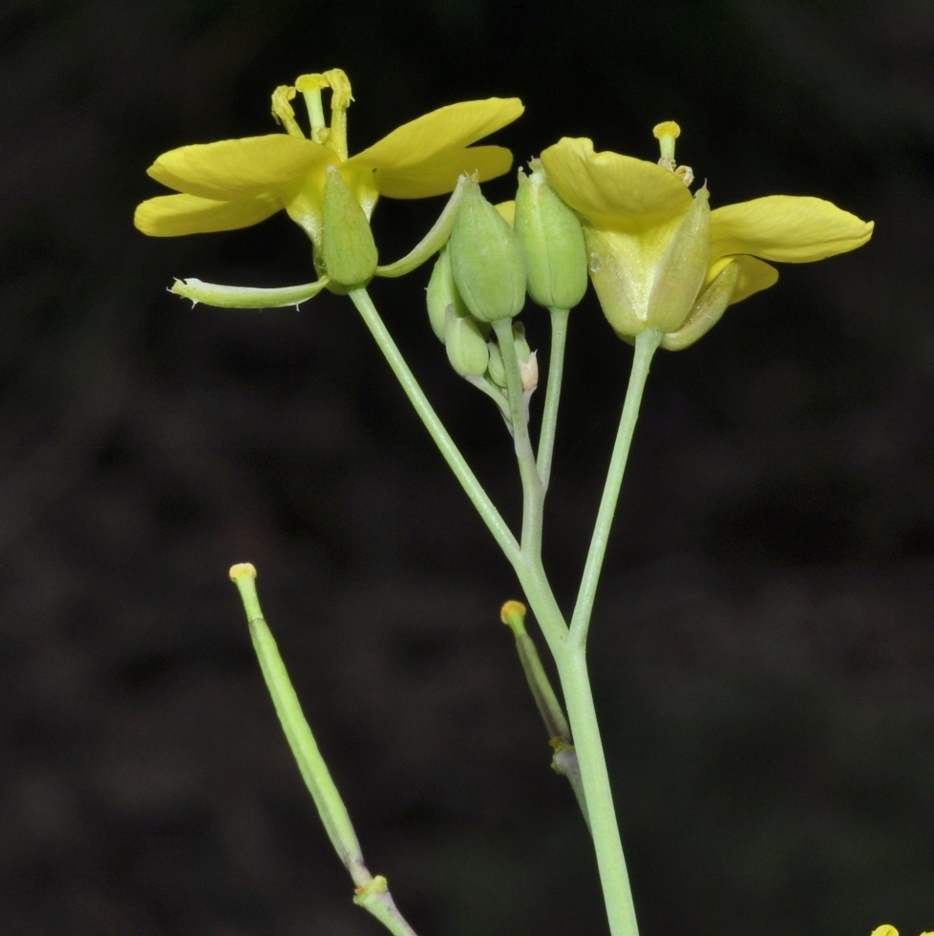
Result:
[{"x": 763, "y": 650}]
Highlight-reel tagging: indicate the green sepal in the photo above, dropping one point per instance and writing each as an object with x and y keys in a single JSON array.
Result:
[
  {"x": 246, "y": 297},
  {"x": 682, "y": 269},
  {"x": 707, "y": 311},
  {"x": 348, "y": 250},
  {"x": 433, "y": 241}
]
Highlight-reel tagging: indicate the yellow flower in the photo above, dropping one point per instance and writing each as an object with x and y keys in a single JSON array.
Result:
[
  {"x": 660, "y": 258},
  {"x": 888, "y": 930},
  {"x": 236, "y": 183}
]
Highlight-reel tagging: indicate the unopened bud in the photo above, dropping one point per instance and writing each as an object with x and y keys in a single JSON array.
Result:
[
  {"x": 487, "y": 260},
  {"x": 442, "y": 292},
  {"x": 465, "y": 344},
  {"x": 497, "y": 370},
  {"x": 528, "y": 373},
  {"x": 552, "y": 241},
  {"x": 348, "y": 249}
]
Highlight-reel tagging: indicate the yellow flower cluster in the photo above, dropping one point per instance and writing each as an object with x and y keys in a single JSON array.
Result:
[{"x": 659, "y": 257}]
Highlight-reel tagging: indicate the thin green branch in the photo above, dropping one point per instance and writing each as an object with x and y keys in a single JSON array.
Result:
[
  {"x": 646, "y": 344},
  {"x": 449, "y": 450},
  {"x": 546, "y": 442}
]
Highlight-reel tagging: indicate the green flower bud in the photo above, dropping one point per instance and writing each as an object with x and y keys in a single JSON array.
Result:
[
  {"x": 553, "y": 242},
  {"x": 465, "y": 344},
  {"x": 681, "y": 271},
  {"x": 523, "y": 351},
  {"x": 442, "y": 292},
  {"x": 348, "y": 250},
  {"x": 487, "y": 260},
  {"x": 497, "y": 370},
  {"x": 707, "y": 311}
]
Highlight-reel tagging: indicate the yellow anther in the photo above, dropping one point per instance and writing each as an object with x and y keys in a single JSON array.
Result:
[
  {"x": 282, "y": 110},
  {"x": 339, "y": 84},
  {"x": 241, "y": 569}
]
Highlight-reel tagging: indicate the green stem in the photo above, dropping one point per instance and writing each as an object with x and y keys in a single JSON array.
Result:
[
  {"x": 614, "y": 878},
  {"x": 546, "y": 442},
  {"x": 533, "y": 494},
  {"x": 478, "y": 496},
  {"x": 646, "y": 344}
]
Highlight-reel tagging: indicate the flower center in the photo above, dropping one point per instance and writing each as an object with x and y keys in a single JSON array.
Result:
[
  {"x": 311, "y": 86},
  {"x": 666, "y": 133}
]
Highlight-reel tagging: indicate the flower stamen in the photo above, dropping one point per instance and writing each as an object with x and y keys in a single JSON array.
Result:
[
  {"x": 282, "y": 110},
  {"x": 335, "y": 137},
  {"x": 666, "y": 133}
]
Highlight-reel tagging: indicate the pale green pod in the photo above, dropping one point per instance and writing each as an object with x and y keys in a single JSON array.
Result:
[
  {"x": 707, "y": 311},
  {"x": 552, "y": 241},
  {"x": 681, "y": 271},
  {"x": 467, "y": 348},
  {"x": 442, "y": 292},
  {"x": 487, "y": 260},
  {"x": 348, "y": 249}
]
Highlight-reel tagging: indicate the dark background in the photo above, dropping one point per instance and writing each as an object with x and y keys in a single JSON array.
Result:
[{"x": 762, "y": 648}]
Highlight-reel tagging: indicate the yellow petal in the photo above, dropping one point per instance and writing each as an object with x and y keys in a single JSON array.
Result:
[
  {"x": 611, "y": 190},
  {"x": 439, "y": 174},
  {"x": 754, "y": 276},
  {"x": 451, "y": 127},
  {"x": 885, "y": 930},
  {"x": 235, "y": 169},
  {"x": 786, "y": 228},
  {"x": 173, "y": 215},
  {"x": 507, "y": 210}
]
